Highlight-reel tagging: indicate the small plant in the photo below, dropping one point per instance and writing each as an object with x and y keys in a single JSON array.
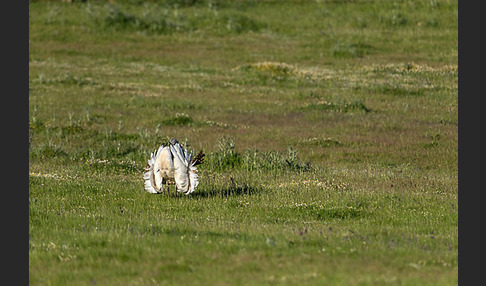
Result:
[
  {"x": 36, "y": 124},
  {"x": 343, "y": 106},
  {"x": 434, "y": 137},
  {"x": 350, "y": 50},
  {"x": 395, "y": 20},
  {"x": 272, "y": 70},
  {"x": 239, "y": 23},
  {"x": 47, "y": 150},
  {"x": 327, "y": 142},
  {"x": 226, "y": 157},
  {"x": 178, "y": 120},
  {"x": 154, "y": 19},
  {"x": 53, "y": 14}
]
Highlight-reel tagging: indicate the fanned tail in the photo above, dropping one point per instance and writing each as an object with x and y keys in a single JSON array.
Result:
[
  {"x": 193, "y": 179},
  {"x": 193, "y": 176},
  {"x": 153, "y": 181},
  {"x": 148, "y": 175},
  {"x": 185, "y": 173},
  {"x": 172, "y": 161}
]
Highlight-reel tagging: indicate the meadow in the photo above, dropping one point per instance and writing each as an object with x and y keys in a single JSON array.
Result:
[{"x": 330, "y": 130}]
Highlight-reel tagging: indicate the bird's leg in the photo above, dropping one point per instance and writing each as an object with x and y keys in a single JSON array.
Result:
[
  {"x": 175, "y": 192},
  {"x": 168, "y": 191}
]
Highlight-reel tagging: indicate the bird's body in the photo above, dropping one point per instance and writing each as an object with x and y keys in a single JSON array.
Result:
[{"x": 172, "y": 164}]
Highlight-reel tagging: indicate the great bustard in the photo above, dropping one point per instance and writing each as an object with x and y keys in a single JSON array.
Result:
[{"x": 174, "y": 165}]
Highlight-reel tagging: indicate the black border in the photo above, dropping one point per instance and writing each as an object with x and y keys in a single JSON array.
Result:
[
  {"x": 471, "y": 144},
  {"x": 15, "y": 120}
]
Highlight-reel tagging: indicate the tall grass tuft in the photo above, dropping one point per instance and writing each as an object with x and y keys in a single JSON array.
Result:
[
  {"x": 226, "y": 157},
  {"x": 239, "y": 23},
  {"x": 179, "y": 119},
  {"x": 253, "y": 160},
  {"x": 168, "y": 18},
  {"x": 157, "y": 20},
  {"x": 343, "y": 106}
]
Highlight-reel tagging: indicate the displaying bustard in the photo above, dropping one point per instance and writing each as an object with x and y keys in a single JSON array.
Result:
[{"x": 173, "y": 165}]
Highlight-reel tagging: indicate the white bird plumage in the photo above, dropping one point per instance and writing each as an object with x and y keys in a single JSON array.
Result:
[{"x": 172, "y": 164}]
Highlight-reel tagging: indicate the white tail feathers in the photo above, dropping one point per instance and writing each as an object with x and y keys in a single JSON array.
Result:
[
  {"x": 185, "y": 175},
  {"x": 193, "y": 178},
  {"x": 172, "y": 164},
  {"x": 148, "y": 176}
]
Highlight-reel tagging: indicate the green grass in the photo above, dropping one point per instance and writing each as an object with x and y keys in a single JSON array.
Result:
[{"x": 330, "y": 130}]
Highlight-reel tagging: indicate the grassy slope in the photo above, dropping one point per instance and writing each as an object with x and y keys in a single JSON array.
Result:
[{"x": 366, "y": 91}]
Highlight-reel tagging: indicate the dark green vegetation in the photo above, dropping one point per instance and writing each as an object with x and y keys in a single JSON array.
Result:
[{"x": 329, "y": 127}]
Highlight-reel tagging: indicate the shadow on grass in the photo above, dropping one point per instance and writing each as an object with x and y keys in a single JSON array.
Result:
[
  {"x": 213, "y": 191},
  {"x": 225, "y": 191}
]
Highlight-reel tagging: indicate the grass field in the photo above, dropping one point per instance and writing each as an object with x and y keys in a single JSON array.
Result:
[{"x": 330, "y": 130}]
